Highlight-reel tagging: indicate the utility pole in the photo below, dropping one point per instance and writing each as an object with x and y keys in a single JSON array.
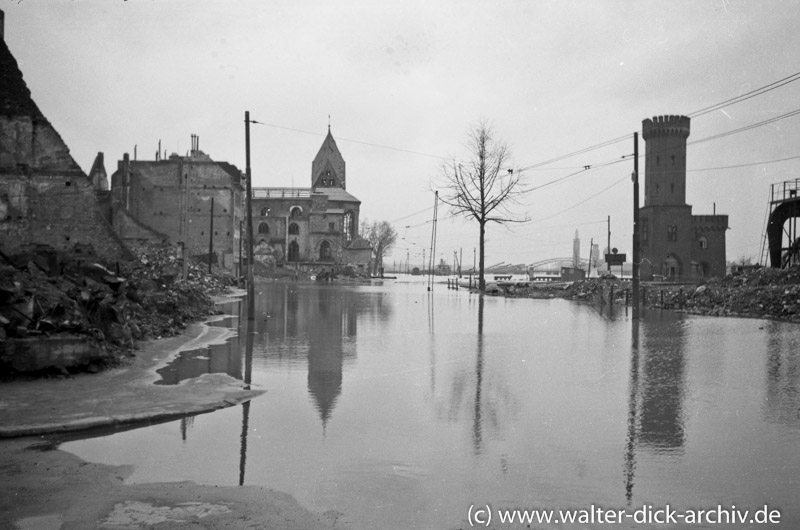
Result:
[
  {"x": 423, "y": 261},
  {"x": 460, "y": 260},
  {"x": 608, "y": 249},
  {"x": 589, "y": 268},
  {"x": 211, "y": 236},
  {"x": 251, "y": 303},
  {"x": 635, "y": 270}
]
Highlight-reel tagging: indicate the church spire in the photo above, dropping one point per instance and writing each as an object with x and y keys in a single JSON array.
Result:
[{"x": 328, "y": 167}]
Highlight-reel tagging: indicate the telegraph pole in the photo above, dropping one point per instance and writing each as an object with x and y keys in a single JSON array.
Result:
[
  {"x": 635, "y": 270},
  {"x": 251, "y": 303},
  {"x": 211, "y": 236},
  {"x": 608, "y": 248}
]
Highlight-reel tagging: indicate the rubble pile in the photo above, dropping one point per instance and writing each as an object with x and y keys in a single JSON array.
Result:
[
  {"x": 760, "y": 293},
  {"x": 44, "y": 294}
]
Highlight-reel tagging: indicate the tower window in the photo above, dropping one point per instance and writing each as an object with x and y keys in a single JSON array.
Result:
[
  {"x": 263, "y": 228},
  {"x": 294, "y": 230},
  {"x": 672, "y": 233},
  {"x": 703, "y": 242}
]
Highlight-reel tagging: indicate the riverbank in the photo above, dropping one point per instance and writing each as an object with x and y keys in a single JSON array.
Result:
[
  {"x": 761, "y": 293},
  {"x": 43, "y": 487}
]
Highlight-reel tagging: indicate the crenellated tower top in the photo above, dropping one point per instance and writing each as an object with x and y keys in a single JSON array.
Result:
[
  {"x": 665, "y": 160},
  {"x": 665, "y": 126}
]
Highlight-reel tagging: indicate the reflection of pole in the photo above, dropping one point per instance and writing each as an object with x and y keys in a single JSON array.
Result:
[
  {"x": 635, "y": 271},
  {"x": 248, "y": 204},
  {"x": 248, "y": 372},
  {"x": 633, "y": 393}
]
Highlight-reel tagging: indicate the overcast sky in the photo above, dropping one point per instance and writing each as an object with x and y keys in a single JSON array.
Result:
[{"x": 403, "y": 82}]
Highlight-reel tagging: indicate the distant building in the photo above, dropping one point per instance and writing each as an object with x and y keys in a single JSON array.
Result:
[
  {"x": 314, "y": 225},
  {"x": 576, "y": 251},
  {"x": 675, "y": 244},
  {"x": 170, "y": 201},
  {"x": 46, "y": 200}
]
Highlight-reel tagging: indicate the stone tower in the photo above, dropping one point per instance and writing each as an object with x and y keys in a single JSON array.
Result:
[
  {"x": 676, "y": 245},
  {"x": 665, "y": 160}
]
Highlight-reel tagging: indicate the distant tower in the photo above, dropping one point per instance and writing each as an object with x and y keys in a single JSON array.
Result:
[
  {"x": 576, "y": 252},
  {"x": 665, "y": 160}
]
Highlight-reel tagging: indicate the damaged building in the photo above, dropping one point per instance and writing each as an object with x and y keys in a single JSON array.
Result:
[
  {"x": 191, "y": 200},
  {"x": 46, "y": 200}
]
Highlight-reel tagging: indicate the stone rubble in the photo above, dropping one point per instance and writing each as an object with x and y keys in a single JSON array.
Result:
[
  {"x": 761, "y": 293},
  {"x": 44, "y": 294}
]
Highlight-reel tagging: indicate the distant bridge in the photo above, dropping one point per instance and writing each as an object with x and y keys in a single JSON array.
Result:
[{"x": 560, "y": 262}]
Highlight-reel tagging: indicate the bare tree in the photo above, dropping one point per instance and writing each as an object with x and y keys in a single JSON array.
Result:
[
  {"x": 382, "y": 236},
  {"x": 483, "y": 187}
]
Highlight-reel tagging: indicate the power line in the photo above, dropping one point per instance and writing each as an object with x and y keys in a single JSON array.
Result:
[
  {"x": 747, "y": 165},
  {"x": 353, "y": 141},
  {"x": 753, "y": 93}
]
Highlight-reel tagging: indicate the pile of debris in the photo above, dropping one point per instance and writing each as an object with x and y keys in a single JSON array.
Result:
[
  {"x": 762, "y": 293},
  {"x": 46, "y": 296},
  {"x": 759, "y": 293}
]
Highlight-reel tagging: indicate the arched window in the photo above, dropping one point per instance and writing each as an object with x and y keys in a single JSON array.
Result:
[
  {"x": 325, "y": 251},
  {"x": 263, "y": 228},
  {"x": 264, "y": 212},
  {"x": 294, "y": 251},
  {"x": 347, "y": 226},
  {"x": 296, "y": 211},
  {"x": 703, "y": 242},
  {"x": 294, "y": 230}
]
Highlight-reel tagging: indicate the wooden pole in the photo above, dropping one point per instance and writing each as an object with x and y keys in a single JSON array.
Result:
[
  {"x": 636, "y": 258},
  {"x": 251, "y": 305},
  {"x": 211, "y": 236}
]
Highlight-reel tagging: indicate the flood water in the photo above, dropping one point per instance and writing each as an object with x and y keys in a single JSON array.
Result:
[{"x": 402, "y": 409}]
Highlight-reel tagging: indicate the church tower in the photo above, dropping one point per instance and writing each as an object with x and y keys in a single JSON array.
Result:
[{"x": 328, "y": 168}]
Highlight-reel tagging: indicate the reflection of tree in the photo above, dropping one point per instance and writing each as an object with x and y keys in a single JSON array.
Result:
[
  {"x": 480, "y": 396},
  {"x": 783, "y": 377}
]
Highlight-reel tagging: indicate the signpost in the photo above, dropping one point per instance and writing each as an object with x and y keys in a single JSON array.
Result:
[{"x": 616, "y": 259}]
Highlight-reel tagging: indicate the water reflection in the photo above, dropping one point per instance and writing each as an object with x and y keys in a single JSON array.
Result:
[
  {"x": 633, "y": 401},
  {"x": 477, "y": 430},
  {"x": 246, "y": 329},
  {"x": 479, "y": 394},
  {"x": 661, "y": 425},
  {"x": 783, "y": 377},
  {"x": 656, "y": 389},
  {"x": 216, "y": 358}
]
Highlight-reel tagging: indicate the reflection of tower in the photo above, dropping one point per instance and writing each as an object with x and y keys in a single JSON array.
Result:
[
  {"x": 662, "y": 383},
  {"x": 329, "y": 320}
]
